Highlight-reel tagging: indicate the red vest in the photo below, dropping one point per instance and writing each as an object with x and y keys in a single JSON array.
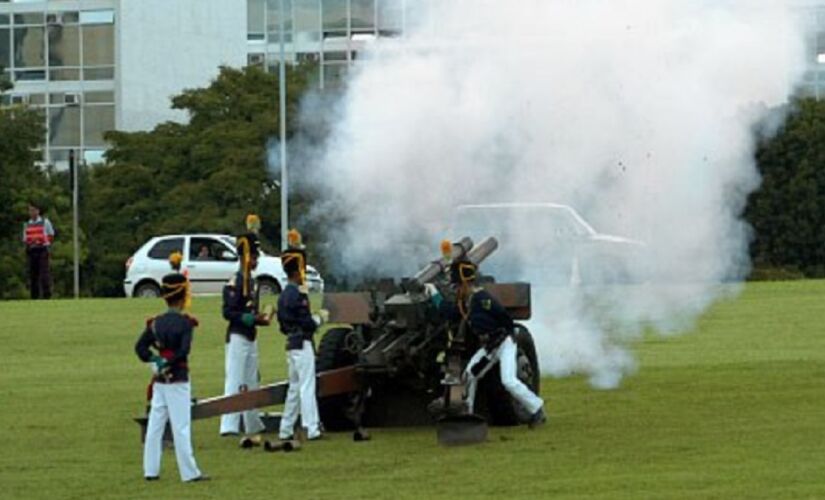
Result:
[{"x": 36, "y": 234}]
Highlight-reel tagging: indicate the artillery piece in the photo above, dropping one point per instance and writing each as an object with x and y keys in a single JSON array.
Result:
[
  {"x": 390, "y": 356},
  {"x": 403, "y": 351}
]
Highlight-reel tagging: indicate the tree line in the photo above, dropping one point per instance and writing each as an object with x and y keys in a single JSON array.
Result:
[{"x": 207, "y": 174}]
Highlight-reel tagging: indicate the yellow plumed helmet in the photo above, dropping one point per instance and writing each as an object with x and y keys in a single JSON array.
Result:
[
  {"x": 253, "y": 223},
  {"x": 446, "y": 249},
  {"x": 175, "y": 259},
  {"x": 293, "y": 238}
]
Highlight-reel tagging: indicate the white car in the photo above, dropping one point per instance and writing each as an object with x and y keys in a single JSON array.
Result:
[
  {"x": 549, "y": 243},
  {"x": 210, "y": 260}
]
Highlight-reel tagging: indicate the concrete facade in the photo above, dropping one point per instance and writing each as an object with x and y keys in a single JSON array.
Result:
[{"x": 166, "y": 46}]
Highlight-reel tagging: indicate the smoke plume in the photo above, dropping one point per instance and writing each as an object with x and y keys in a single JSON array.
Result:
[{"x": 638, "y": 114}]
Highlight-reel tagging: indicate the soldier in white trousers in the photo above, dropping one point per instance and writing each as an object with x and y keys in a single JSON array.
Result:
[
  {"x": 240, "y": 309},
  {"x": 299, "y": 326},
  {"x": 170, "y": 336},
  {"x": 493, "y": 327}
]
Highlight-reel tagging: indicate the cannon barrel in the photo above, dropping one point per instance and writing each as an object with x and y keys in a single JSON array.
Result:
[
  {"x": 433, "y": 269},
  {"x": 483, "y": 250}
]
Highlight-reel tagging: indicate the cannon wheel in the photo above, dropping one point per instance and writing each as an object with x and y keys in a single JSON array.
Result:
[
  {"x": 332, "y": 354},
  {"x": 503, "y": 409}
]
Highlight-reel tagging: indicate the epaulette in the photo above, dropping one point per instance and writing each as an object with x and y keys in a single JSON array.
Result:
[{"x": 192, "y": 320}]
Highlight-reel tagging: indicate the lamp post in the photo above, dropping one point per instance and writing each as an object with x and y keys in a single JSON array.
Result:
[
  {"x": 282, "y": 113},
  {"x": 75, "y": 240}
]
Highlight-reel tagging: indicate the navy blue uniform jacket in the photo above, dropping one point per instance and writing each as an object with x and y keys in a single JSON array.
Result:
[
  {"x": 488, "y": 319},
  {"x": 171, "y": 335},
  {"x": 295, "y": 317},
  {"x": 236, "y": 304}
]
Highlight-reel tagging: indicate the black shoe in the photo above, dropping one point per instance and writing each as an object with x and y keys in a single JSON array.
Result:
[
  {"x": 200, "y": 478},
  {"x": 151, "y": 478},
  {"x": 538, "y": 418}
]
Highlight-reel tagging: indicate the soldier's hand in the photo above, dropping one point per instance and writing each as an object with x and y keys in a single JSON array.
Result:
[
  {"x": 433, "y": 294},
  {"x": 248, "y": 319},
  {"x": 158, "y": 364},
  {"x": 262, "y": 320}
]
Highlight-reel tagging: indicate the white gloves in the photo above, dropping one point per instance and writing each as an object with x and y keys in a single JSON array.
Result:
[{"x": 321, "y": 317}]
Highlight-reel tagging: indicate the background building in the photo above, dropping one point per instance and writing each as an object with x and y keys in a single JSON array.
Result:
[
  {"x": 98, "y": 65},
  {"x": 330, "y": 32}
]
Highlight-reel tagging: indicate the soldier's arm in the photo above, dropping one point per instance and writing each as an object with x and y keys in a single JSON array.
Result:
[
  {"x": 143, "y": 344},
  {"x": 500, "y": 313},
  {"x": 296, "y": 310},
  {"x": 232, "y": 304},
  {"x": 185, "y": 343}
]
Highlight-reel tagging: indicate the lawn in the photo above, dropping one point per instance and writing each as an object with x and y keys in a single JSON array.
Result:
[{"x": 733, "y": 409}]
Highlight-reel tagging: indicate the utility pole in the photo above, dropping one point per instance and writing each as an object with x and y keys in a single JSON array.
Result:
[
  {"x": 282, "y": 113},
  {"x": 75, "y": 239}
]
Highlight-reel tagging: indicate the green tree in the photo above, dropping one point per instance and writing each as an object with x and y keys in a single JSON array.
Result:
[
  {"x": 205, "y": 175},
  {"x": 788, "y": 211}
]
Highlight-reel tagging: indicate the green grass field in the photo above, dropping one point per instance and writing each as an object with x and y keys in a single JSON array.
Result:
[{"x": 734, "y": 409}]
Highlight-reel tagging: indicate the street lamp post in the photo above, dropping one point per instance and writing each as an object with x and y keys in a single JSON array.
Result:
[
  {"x": 282, "y": 113},
  {"x": 73, "y": 166}
]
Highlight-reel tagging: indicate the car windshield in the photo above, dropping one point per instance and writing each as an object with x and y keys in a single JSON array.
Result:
[{"x": 517, "y": 223}]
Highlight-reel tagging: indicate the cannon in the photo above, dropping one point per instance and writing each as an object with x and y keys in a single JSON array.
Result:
[
  {"x": 405, "y": 356},
  {"x": 390, "y": 359}
]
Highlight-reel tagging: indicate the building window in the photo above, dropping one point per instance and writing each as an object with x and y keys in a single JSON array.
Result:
[
  {"x": 29, "y": 47},
  {"x": 390, "y": 17},
  {"x": 363, "y": 15},
  {"x": 273, "y": 17},
  {"x": 335, "y": 15},
  {"x": 97, "y": 17},
  {"x": 64, "y": 45},
  {"x": 97, "y": 120},
  {"x": 34, "y": 18},
  {"x": 257, "y": 59},
  {"x": 307, "y": 18},
  {"x": 5, "y": 47},
  {"x": 99, "y": 45},
  {"x": 256, "y": 19},
  {"x": 64, "y": 126},
  {"x": 64, "y": 74}
]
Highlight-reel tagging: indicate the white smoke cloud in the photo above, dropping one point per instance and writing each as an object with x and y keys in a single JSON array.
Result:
[{"x": 638, "y": 114}]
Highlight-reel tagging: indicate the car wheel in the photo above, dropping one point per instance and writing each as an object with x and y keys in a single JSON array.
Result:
[
  {"x": 147, "y": 290},
  {"x": 267, "y": 286}
]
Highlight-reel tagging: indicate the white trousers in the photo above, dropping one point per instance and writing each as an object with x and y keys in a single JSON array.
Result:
[
  {"x": 241, "y": 375},
  {"x": 170, "y": 402},
  {"x": 506, "y": 354},
  {"x": 300, "y": 398}
]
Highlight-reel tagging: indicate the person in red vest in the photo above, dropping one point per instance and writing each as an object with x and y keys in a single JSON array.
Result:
[{"x": 38, "y": 235}]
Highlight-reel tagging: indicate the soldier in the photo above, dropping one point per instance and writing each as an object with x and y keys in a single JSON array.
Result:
[
  {"x": 493, "y": 327},
  {"x": 38, "y": 235},
  {"x": 240, "y": 309},
  {"x": 299, "y": 326},
  {"x": 170, "y": 335},
  {"x": 175, "y": 261}
]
